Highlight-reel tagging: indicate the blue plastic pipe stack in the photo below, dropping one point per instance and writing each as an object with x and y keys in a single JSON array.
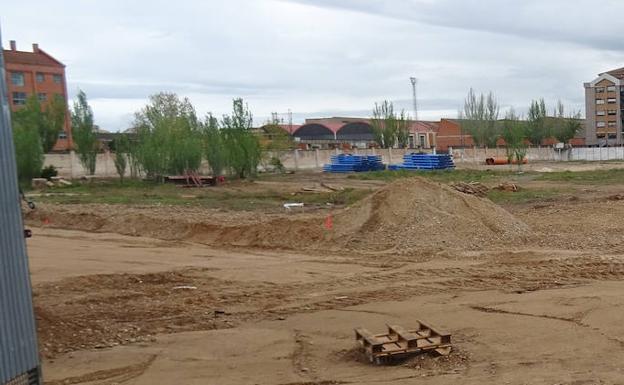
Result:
[
  {"x": 354, "y": 163},
  {"x": 415, "y": 161}
]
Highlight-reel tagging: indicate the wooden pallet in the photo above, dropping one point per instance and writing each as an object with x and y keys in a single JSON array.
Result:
[{"x": 399, "y": 342}]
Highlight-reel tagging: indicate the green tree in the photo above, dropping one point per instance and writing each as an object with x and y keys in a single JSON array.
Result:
[
  {"x": 242, "y": 146},
  {"x": 121, "y": 152},
  {"x": 48, "y": 121},
  {"x": 55, "y": 114},
  {"x": 479, "y": 118},
  {"x": 537, "y": 127},
  {"x": 83, "y": 132},
  {"x": 28, "y": 151},
  {"x": 169, "y": 137},
  {"x": 565, "y": 128},
  {"x": 403, "y": 129},
  {"x": 385, "y": 124},
  {"x": 214, "y": 148},
  {"x": 514, "y": 134}
]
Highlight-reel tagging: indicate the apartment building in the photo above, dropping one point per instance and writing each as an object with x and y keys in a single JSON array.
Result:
[
  {"x": 36, "y": 73},
  {"x": 604, "y": 97}
]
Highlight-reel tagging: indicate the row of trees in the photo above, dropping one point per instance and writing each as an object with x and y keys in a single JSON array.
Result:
[
  {"x": 169, "y": 138},
  {"x": 480, "y": 119}
]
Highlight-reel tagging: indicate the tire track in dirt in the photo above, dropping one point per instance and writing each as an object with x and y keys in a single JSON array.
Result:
[
  {"x": 109, "y": 376},
  {"x": 108, "y": 310}
]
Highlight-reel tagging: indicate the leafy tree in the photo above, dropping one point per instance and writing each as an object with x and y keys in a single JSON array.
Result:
[
  {"x": 275, "y": 142},
  {"x": 386, "y": 125},
  {"x": 28, "y": 151},
  {"x": 55, "y": 114},
  {"x": 479, "y": 118},
  {"x": 121, "y": 150},
  {"x": 565, "y": 127},
  {"x": 242, "y": 146},
  {"x": 213, "y": 145},
  {"x": 47, "y": 121},
  {"x": 514, "y": 134},
  {"x": 402, "y": 129},
  {"x": 168, "y": 136},
  {"x": 83, "y": 132},
  {"x": 538, "y": 129}
]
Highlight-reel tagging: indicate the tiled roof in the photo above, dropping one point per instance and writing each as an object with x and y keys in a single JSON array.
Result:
[
  {"x": 618, "y": 73},
  {"x": 31, "y": 58},
  {"x": 424, "y": 126}
]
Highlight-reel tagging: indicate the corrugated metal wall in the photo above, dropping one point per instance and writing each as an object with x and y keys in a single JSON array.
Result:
[{"x": 18, "y": 340}]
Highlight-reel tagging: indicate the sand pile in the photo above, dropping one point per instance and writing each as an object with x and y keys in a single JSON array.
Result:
[
  {"x": 176, "y": 223},
  {"x": 417, "y": 213},
  {"x": 410, "y": 214}
]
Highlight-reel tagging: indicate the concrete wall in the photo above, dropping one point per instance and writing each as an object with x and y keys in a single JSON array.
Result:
[{"x": 69, "y": 166}]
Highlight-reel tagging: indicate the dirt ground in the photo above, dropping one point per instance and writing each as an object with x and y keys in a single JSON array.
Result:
[{"x": 119, "y": 307}]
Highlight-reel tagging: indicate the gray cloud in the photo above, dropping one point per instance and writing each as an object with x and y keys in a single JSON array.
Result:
[{"x": 320, "y": 57}]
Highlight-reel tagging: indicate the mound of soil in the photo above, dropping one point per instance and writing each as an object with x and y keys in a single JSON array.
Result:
[
  {"x": 209, "y": 226},
  {"x": 418, "y": 213},
  {"x": 409, "y": 214}
]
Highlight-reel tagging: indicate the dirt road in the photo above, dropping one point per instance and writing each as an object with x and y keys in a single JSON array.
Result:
[
  {"x": 522, "y": 317},
  {"x": 120, "y": 309}
]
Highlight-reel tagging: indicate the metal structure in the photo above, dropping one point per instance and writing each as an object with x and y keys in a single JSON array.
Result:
[
  {"x": 19, "y": 358},
  {"x": 399, "y": 342},
  {"x": 414, "y": 82}
]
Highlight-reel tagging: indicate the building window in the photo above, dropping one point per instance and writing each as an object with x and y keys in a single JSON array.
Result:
[
  {"x": 600, "y": 89},
  {"x": 611, "y": 89},
  {"x": 612, "y": 136},
  {"x": 611, "y": 100},
  {"x": 40, "y": 77},
  {"x": 42, "y": 96},
  {"x": 600, "y": 113},
  {"x": 62, "y": 135},
  {"x": 17, "y": 78},
  {"x": 611, "y": 124},
  {"x": 19, "y": 98},
  {"x": 611, "y": 112},
  {"x": 57, "y": 78},
  {"x": 600, "y": 124},
  {"x": 599, "y": 101}
]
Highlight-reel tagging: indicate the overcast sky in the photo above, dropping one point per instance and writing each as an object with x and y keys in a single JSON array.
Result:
[{"x": 321, "y": 57}]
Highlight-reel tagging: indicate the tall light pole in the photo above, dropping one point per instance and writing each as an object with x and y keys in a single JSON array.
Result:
[{"x": 415, "y": 100}]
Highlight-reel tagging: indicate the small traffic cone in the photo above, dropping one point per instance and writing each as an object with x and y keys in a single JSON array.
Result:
[{"x": 329, "y": 222}]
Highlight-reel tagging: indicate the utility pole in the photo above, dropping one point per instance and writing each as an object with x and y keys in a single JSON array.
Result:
[{"x": 415, "y": 99}]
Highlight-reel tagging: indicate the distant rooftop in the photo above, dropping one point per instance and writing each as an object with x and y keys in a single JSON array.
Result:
[{"x": 36, "y": 57}]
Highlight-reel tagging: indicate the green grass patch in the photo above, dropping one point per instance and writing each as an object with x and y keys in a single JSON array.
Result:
[
  {"x": 611, "y": 176},
  {"x": 524, "y": 195},
  {"x": 230, "y": 197},
  {"x": 446, "y": 176}
]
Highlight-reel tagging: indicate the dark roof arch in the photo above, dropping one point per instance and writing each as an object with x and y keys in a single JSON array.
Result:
[
  {"x": 314, "y": 131},
  {"x": 356, "y": 131}
]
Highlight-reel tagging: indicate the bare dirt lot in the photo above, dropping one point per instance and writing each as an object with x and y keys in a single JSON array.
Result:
[{"x": 531, "y": 290}]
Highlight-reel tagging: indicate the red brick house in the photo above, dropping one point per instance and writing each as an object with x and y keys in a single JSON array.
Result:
[{"x": 37, "y": 73}]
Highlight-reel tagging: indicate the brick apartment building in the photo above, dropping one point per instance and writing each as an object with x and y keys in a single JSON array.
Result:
[
  {"x": 37, "y": 73},
  {"x": 604, "y": 108}
]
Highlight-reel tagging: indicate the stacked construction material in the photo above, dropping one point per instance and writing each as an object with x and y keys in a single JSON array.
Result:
[
  {"x": 415, "y": 161},
  {"x": 354, "y": 163}
]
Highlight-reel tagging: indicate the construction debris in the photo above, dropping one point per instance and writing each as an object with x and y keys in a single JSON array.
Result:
[
  {"x": 398, "y": 342},
  {"x": 332, "y": 187},
  {"x": 501, "y": 161},
  {"x": 289, "y": 206},
  {"x": 38, "y": 183},
  {"x": 507, "y": 186},
  {"x": 473, "y": 188}
]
